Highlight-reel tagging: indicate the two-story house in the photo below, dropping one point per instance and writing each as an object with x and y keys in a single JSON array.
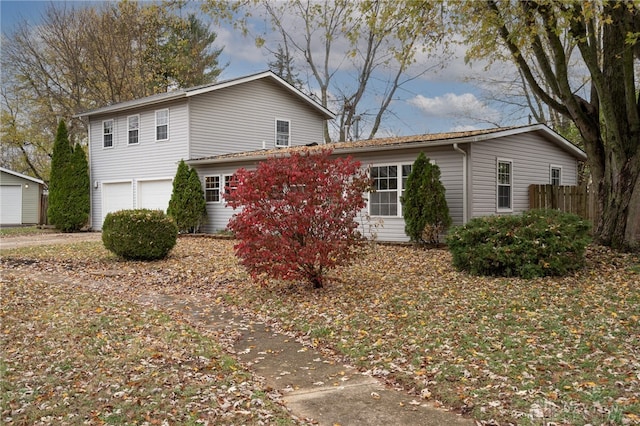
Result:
[{"x": 135, "y": 146}]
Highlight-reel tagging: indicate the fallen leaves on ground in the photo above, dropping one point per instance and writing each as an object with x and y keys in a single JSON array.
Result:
[
  {"x": 563, "y": 350},
  {"x": 71, "y": 356}
]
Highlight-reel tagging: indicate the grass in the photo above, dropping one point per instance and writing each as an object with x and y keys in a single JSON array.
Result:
[
  {"x": 531, "y": 352},
  {"x": 91, "y": 359},
  {"x": 23, "y": 230}
]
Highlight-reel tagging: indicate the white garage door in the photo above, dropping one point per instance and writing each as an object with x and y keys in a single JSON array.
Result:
[
  {"x": 10, "y": 204},
  {"x": 116, "y": 196},
  {"x": 154, "y": 194}
]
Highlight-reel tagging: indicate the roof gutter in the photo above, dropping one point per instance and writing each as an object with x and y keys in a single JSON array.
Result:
[{"x": 259, "y": 156}]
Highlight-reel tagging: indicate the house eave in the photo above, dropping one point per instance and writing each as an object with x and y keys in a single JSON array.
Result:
[
  {"x": 194, "y": 91},
  {"x": 265, "y": 74},
  {"x": 134, "y": 104},
  {"x": 402, "y": 143},
  {"x": 20, "y": 175}
]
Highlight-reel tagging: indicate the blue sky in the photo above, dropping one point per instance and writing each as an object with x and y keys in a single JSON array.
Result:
[{"x": 439, "y": 101}]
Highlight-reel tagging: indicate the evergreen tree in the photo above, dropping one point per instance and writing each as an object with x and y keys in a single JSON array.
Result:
[
  {"x": 69, "y": 185},
  {"x": 187, "y": 206},
  {"x": 79, "y": 189},
  {"x": 59, "y": 162},
  {"x": 424, "y": 206}
]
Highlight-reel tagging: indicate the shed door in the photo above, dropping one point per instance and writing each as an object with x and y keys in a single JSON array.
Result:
[
  {"x": 154, "y": 194},
  {"x": 116, "y": 196},
  {"x": 10, "y": 204}
]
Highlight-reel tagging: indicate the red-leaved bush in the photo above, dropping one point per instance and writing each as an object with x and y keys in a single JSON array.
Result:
[{"x": 298, "y": 215}]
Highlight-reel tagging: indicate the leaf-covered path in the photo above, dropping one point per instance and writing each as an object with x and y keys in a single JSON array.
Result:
[{"x": 563, "y": 350}]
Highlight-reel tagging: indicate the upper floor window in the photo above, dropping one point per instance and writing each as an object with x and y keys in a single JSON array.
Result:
[
  {"x": 162, "y": 125},
  {"x": 505, "y": 183},
  {"x": 283, "y": 133},
  {"x": 107, "y": 134},
  {"x": 212, "y": 189},
  {"x": 388, "y": 185},
  {"x": 134, "y": 128},
  {"x": 555, "y": 175}
]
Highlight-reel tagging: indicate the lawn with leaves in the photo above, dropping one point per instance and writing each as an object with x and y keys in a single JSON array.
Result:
[
  {"x": 24, "y": 230},
  {"x": 563, "y": 350},
  {"x": 74, "y": 357}
]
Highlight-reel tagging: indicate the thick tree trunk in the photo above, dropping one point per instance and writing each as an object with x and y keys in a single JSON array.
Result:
[{"x": 619, "y": 203}]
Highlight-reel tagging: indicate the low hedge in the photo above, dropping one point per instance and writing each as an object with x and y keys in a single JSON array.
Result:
[
  {"x": 533, "y": 244},
  {"x": 141, "y": 234}
]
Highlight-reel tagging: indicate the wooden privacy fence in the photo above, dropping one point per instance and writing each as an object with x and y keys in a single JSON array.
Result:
[
  {"x": 44, "y": 206},
  {"x": 572, "y": 199}
]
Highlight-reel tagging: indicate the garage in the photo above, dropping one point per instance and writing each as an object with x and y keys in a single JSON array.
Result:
[
  {"x": 21, "y": 199},
  {"x": 116, "y": 196},
  {"x": 154, "y": 194},
  {"x": 10, "y": 204}
]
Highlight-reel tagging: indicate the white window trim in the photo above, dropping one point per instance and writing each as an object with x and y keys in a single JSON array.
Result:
[
  {"x": 156, "y": 125},
  {"x": 510, "y": 208},
  {"x": 220, "y": 188},
  {"x": 223, "y": 184},
  {"x": 276, "y": 133},
  {"x": 129, "y": 129},
  {"x": 399, "y": 190},
  {"x": 113, "y": 133},
  {"x": 551, "y": 168}
]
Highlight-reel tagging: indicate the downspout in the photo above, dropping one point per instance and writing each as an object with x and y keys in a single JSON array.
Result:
[
  {"x": 464, "y": 182},
  {"x": 91, "y": 184}
]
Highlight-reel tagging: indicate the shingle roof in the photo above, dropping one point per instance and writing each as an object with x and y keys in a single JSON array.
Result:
[{"x": 401, "y": 142}]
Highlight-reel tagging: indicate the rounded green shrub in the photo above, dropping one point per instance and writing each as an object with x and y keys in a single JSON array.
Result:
[
  {"x": 139, "y": 234},
  {"x": 534, "y": 244}
]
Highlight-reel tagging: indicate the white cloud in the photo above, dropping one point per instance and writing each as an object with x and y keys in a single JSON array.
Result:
[
  {"x": 464, "y": 128},
  {"x": 452, "y": 105},
  {"x": 238, "y": 48}
]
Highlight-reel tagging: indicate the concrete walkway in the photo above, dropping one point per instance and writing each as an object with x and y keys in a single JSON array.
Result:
[{"x": 314, "y": 386}]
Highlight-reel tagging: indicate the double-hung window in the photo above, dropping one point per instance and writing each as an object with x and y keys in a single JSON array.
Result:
[
  {"x": 504, "y": 186},
  {"x": 212, "y": 189},
  {"x": 555, "y": 175},
  {"x": 388, "y": 186},
  {"x": 230, "y": 183},
  {"x": 107, "y": 134},
  {"x": 283, "y": 133},
  {"x": 162, "y": 125},
  {"x": 134, "y": 129}
]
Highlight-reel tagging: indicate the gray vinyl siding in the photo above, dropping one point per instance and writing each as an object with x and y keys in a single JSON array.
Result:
[
  {"x": 240, "y": 118},
  {"x": 143, "y": 161},
  {"x": 531, "y": 156},
  {"x": 387, "y": 228},
  {"x": 30, "y": 196},
  {"x": 381, "y": 228},
  {"x": 218, "y": 214}
]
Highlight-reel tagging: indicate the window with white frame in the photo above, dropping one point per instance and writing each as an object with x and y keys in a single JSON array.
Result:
[
  {"x": 388, "y": 186},
  {"x": 162, "y": 125},
  {"x": 283, "y": 132},
  {"x": 212, "y": 189},
  {"x": 107, "y": 134},
  {"x": 134, "y": 129},
  {"x": 555, "y": 175},
  {"x": 230, "y": 183},
  {"x": 505, "y": 185}
]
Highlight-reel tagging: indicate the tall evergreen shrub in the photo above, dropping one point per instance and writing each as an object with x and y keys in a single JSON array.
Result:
[
  {"x": 187, "y": 206},
  {"x": 69, "y": 184},
  {"x": 424, "y": 206}
]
